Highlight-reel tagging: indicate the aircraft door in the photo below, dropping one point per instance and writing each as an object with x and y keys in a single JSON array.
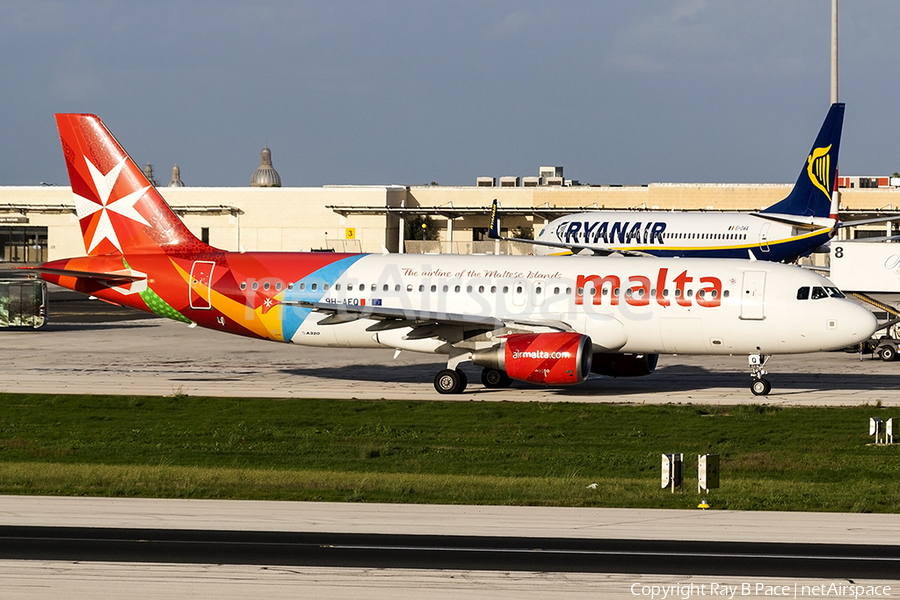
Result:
[
  {"x": 764, "y": 237},
  {"x": 752, "y": 293},
  {"x": 201, "y": 279}
]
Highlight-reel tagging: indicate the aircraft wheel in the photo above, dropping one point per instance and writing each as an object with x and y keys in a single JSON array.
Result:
[
  {"x": 760, "y": 387},
  {"x": 464, "y": 381},
  {"x": 887, "y": 353},
  {"x": 494, "y": 378},
  {"x": 450, "y": 381}
]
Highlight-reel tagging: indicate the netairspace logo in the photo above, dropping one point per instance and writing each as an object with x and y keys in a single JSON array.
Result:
[{"x": 797, "y": 590}]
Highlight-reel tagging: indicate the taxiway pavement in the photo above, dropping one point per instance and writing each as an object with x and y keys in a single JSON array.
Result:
[{"x": 161, "y": 357}]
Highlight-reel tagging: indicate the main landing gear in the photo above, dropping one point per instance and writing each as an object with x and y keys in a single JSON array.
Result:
[
  {"x": 450, "y": 381},
  {"x": 494, "y": 378},
  {"x": 453, "y": 381},
  {"x": 760, "y": 386}
]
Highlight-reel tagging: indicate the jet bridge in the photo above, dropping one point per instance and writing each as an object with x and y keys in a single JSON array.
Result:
[{"x": 870, "y": 273}]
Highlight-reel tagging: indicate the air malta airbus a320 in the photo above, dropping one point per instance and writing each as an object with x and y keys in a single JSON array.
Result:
[
  {"x": 783, "y": 232},
  {"x": 547, "y": 320}
]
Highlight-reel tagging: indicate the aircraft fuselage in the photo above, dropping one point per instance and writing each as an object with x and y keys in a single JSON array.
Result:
[
  {"x": 704, "y": 235},
  {"x": 632, "y": 305}
]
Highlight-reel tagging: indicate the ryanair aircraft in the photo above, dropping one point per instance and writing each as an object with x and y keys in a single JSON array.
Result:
[{"x": 783, "y": 232}]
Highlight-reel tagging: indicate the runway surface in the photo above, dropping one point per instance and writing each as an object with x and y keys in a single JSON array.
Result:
[
  {"x": 336, "y": 550},
  {"x": 478, "y": 553}
]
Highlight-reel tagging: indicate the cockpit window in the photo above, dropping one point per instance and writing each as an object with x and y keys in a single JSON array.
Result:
[{"x": 819, "y": 292}]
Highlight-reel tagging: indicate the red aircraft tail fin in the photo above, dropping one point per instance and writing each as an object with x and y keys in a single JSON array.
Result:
[{"x": 119, "y": 210}]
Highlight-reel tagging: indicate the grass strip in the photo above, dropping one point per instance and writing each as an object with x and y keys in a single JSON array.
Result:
[
  {"x": 166, "y": 481},
  {"x": 442, "y": 452}
]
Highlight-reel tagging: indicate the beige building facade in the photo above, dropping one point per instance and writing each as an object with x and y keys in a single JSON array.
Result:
[{"x": 39, "y": 223}]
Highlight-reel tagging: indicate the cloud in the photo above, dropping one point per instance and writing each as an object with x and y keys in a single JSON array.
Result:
[
  {"x": 694, "y": 36},
  {"x": 513, "y": 24},
  {"x": 354, "y": 91}
]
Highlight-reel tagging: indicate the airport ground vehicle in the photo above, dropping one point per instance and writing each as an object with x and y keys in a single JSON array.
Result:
[{"x": 23, "y": 303}]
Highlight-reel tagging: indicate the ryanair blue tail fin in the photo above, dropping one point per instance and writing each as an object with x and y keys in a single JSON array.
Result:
[
  {"x": 811, "y": 196},
  {"x": 494, "y": 227}
]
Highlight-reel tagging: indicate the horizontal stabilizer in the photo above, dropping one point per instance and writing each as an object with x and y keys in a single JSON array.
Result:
[
  {"x": 110, "y": 278},
  {"x": 798, "y": 222},
  {"x": 867, "y": 240},
  {"x": 857, "y": 222}
]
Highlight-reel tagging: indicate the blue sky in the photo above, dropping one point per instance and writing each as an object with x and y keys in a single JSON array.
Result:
[{"x": 414, "y": 91}]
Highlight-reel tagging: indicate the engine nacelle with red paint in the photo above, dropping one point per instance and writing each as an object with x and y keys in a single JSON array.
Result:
[
  {"x": 556, "y": 358},
  {"x": 624, "y": 365}
]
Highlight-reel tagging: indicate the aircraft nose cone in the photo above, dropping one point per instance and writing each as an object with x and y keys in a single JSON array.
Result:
[{"x": 858, "y": 323}]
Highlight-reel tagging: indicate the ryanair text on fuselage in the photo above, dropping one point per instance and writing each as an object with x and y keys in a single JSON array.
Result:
[{"x": 611, "y": 232}]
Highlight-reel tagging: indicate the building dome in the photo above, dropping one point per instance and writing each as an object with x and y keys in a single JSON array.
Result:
[
  {"x": 176, "y": 177},
  {"x": 148, "y": 173},
  {"x": 265, "y": 175}
]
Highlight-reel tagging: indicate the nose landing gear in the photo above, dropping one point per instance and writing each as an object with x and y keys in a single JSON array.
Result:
[{"x": 760, "y": 386}]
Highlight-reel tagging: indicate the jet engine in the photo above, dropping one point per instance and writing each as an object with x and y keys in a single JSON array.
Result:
[
  {"x": 556, "y": 358},
  {"x": 624, "y": 365}
]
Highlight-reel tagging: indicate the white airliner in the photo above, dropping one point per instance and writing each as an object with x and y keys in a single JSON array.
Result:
[
  {"x": 546, "y": 320},
  {"x": 783, "y": 232}
]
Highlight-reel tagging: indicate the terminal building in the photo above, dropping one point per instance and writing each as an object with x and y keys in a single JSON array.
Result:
[{"x": 38, "y": 223}]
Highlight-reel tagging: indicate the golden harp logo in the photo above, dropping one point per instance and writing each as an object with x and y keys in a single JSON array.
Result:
[{"x": 818, "y": 166}]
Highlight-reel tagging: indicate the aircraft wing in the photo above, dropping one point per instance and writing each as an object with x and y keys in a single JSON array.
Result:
[
  {"x": 577, "y": 248},
  {"x": 494, "y": 234},
  {"x": 573, "y": 248},
  {"x": 403, "y": 317}
]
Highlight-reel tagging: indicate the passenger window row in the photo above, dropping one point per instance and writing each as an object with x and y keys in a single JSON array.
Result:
[{"x": 362, "y": 287}]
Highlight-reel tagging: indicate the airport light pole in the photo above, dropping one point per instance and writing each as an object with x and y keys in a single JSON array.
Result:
[
  {"x": 836, "y": 194},
  {"x": 834, "y": 51}
]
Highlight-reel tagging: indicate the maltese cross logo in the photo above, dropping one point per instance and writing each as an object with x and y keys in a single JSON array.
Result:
[{"x": 97, "y": 210}]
